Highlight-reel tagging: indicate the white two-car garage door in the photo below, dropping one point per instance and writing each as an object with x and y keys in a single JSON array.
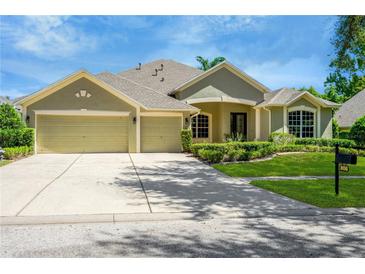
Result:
[
  {"x": 160, "y": 134},
  {"x": 78, "y": 134}
]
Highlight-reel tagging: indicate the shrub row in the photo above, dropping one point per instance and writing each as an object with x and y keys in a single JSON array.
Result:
[
  {"x": 16, "y": 137},
  {"x": 215, "y": 153},
  {"x": 11, "y": 153},
  {"x": 325, "y": 142},
  {"x": 225, "y": 147},
  {"x": 218, "y": 154}
]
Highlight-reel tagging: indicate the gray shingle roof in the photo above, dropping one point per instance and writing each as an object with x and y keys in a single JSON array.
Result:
[
  {"x": 351, "y": 110},
  {"x": 172, "y": 73},
  {"x": 282, "y": 97},
  {"x": 5, "y": 100},
  {"x": 148, "y": 97}
]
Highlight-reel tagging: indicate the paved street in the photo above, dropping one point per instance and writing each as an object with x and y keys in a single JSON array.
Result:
[{"x": 301, "y": 236}]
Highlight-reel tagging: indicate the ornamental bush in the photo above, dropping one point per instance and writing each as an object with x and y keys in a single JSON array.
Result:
[
  {"x": 11, "y": 153},
  {"x": 10, "y": 118},
  {"x": 186, "y": 139},
  {"x": 357, "y": 131},
  {"x": 335, "y": 129},
  {"x": 16, "y": 137},
  {"x": 209, "y": 146},
  {"x": 212, "y": 156},
  {"x": 281, "y": 138}
]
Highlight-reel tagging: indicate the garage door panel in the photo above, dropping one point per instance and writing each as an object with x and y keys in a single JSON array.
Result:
[
  {"x": 160, "y": 134},
  {"x": 65, "y": 134}
]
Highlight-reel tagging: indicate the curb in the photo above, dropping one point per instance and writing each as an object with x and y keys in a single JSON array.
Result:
[
  {"x": 93, "y": 218},
  {"x": 176, "y": 216}
]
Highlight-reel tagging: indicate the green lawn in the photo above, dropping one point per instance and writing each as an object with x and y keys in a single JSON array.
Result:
[
  {"x": 320, "y": 193},
  {"x": 4, "y": 162},
  {"x": 314, "y": 163}
]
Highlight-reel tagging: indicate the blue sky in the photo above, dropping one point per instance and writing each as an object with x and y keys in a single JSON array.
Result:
[{"x": 291, "y": 51}]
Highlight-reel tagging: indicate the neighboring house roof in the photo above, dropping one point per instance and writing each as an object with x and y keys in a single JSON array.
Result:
[
  {"x": 230, "y": 67},
  {"x": 5, "y": 100},
  {"x": 286, "y": 96},
  {"x": 170, "y": 75},
  {"x": 351, "y": 110},
  {"x": 144, "y": 95}
]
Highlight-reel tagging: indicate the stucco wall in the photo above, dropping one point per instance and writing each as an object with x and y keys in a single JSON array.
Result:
[
  {"x": 221, "y": 83},
  {"x": 302, "y": 102},
  {"x": 65, "y": 99},
  {"x": 264, "y": 125},
  {"x": 277, "y": 120},
  {"x": 326, "y": 123},
  {"x": 221, "y": 118}
]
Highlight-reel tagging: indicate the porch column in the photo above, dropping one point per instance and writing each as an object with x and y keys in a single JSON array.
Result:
[
  {"x": 285, "y": 119},
  {"x": 257, "y": 125}
]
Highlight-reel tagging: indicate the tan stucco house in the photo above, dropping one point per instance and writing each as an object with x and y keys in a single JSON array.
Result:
[{"x": 144, "y": 109}]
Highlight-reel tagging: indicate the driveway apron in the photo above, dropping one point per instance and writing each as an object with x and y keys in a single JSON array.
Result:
[
  {"x": 178, "y": 183},
  {"x": 94, "y": 184}
]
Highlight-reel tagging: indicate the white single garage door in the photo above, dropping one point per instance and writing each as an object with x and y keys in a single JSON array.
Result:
[
  {"x": 160, "y": 134},
  {"x": 81, "y": 134}
]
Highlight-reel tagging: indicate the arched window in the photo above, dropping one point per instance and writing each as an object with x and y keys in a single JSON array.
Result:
[
  {"x": 301, "y": 123},
  {"x": 200, "y": 126}
]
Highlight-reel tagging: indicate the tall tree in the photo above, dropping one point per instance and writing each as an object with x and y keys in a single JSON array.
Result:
[
  {"x": 205, "y": 64},
  {"x": 347, "y": 76},
  {"x": 311, "y": 90}
]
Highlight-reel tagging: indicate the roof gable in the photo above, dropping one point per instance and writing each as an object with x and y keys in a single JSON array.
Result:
[
  {"x": 233, "y": 69},
  {"x": 286, "y": 96},
  {"x": 36, "y": 96}
]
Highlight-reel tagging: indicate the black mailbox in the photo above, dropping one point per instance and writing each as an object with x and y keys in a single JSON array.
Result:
[{"x": 350, "y": 159}]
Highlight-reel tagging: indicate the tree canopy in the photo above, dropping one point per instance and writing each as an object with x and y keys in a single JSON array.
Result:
[
  {"x": 10, "y": 118},
  {"x": 347, "y": 76},
  {"x": 205, "y": 64}
]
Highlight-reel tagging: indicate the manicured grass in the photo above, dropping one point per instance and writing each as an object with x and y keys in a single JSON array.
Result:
[
  {"x": 311, "y": 164},
  {"x": 321, "y": 192},
  {"x": 4, "y": 162}
]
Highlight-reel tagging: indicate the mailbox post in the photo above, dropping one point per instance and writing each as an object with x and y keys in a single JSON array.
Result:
[
  {"x": 337, "y": 171},
  {"x": 341, "y": 158}
]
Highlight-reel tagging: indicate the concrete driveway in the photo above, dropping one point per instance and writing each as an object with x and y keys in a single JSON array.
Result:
[{"x": 73, "y": 184}]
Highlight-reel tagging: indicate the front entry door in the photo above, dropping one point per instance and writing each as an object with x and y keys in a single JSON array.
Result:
[{"x": 239, "y": 123}]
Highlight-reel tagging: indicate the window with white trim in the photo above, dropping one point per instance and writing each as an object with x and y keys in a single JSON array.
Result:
[
  {"x": 301, "y": 123},
  {"x": 200, "y": 126}
]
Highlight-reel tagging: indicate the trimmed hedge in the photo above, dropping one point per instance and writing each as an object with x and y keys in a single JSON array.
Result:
[
  {"x": 11, "y": 153},
  {"x": 16, "y": 137},
  {"x": 325, "y": 142},
  {"x": 212, "y": 156},
  {"x": 209, "y": 146},
  {"x": 248, "y": 146},
  {"x": 186, "y": 139}
]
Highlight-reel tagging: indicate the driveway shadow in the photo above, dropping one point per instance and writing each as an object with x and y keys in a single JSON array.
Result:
[
  {"x": 189, "y": 185},
  {"x": 282, "y": 237}
]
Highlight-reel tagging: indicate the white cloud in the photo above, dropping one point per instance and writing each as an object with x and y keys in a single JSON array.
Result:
[
  {"x": 41, "y": 72},
  {"x": 201, "y": 29},
  {"x": 48, "y": 37},
  {"x": 297, "y": 72}
]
